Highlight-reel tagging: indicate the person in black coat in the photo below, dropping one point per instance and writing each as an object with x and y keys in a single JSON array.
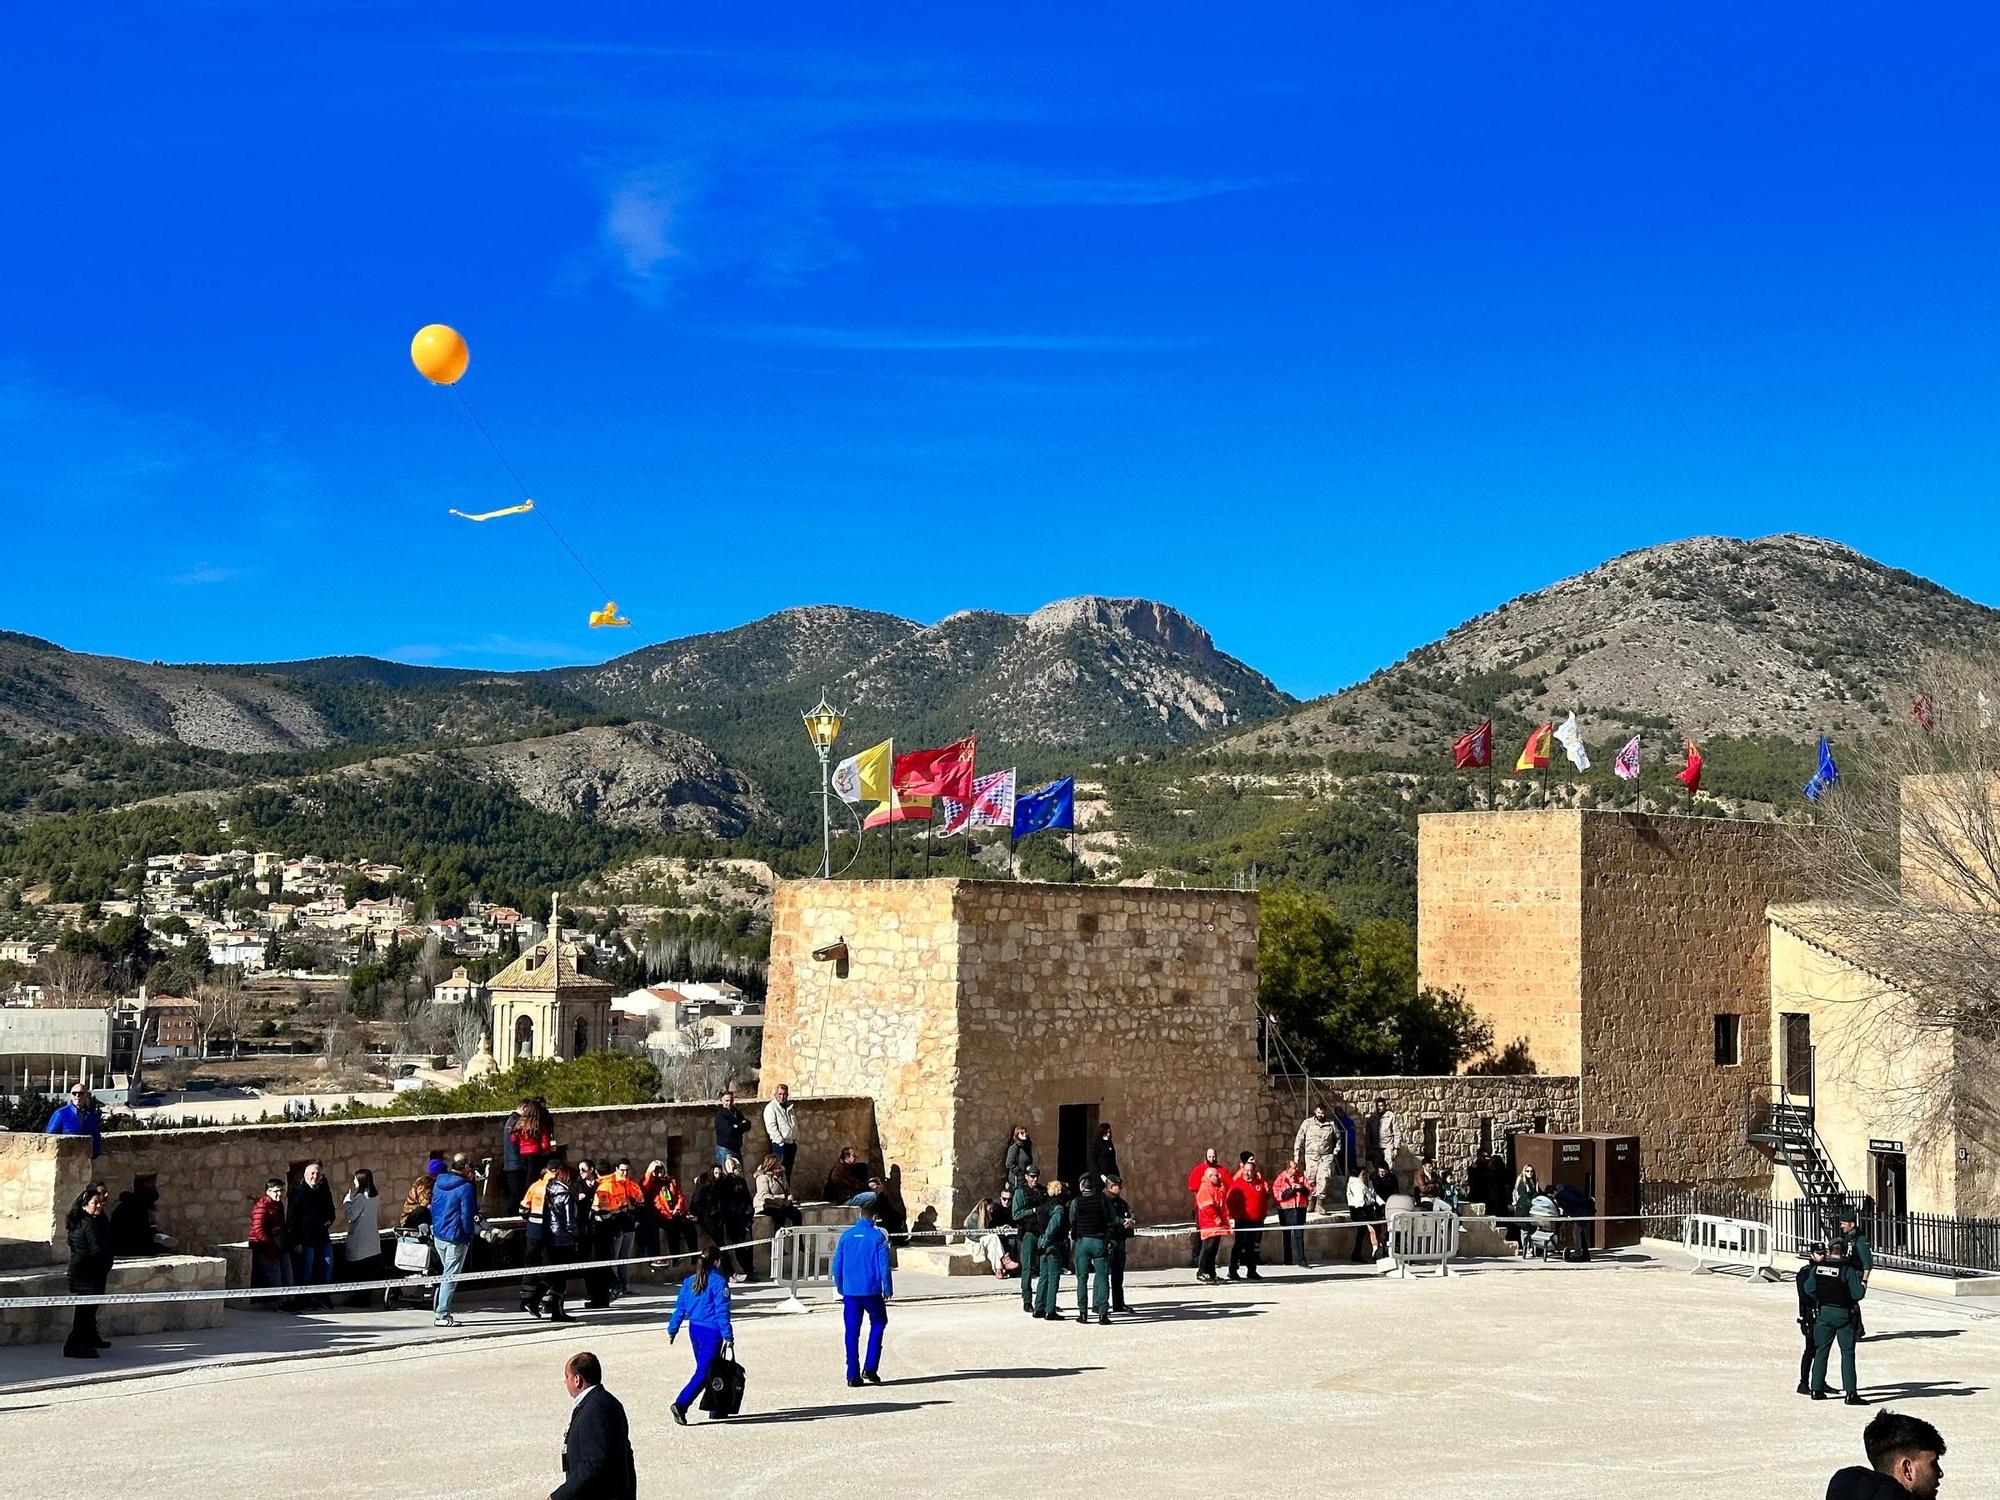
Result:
[
  {"x": 309, "y": 1219},
  {"x": 597, "y": 1449},
  {"x": 1104, "y": 1154},
  {"x": 89, "y": 1267}
]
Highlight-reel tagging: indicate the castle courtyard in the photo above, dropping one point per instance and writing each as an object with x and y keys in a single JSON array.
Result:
[{"x": 1628, "y": 1376}]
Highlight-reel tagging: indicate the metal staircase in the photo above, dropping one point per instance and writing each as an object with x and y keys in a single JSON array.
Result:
[{"x": 1787, "y": 1128}]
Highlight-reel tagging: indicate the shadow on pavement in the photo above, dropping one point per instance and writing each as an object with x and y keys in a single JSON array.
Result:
[
  {"x": 817, "y": 1413},
  {"x": 1919, "y": 1390},
  {"x": 1911, "y": 1333},
  {"x": 1029, "y": 1372},
  {"x": 1187, "y": 1312}
]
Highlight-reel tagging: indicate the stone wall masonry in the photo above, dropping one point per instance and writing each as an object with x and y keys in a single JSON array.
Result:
[
  {"x": 1674, "y": 935},
  {"x": 1461, "y": 1109},
  {"x": 32, "y": 1197},
  {"x": 209, "y": 1177},
  {"x": 1498, "y": 914},
  {"x": 1137, "y": 1003},
  {"x": 162, "y": 1273},
  {"x": 883, "y": 1024}
]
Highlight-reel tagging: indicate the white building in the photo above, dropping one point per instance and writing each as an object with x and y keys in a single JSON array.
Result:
[
  {"x": 237, "y": 946},
  {"x": 459, "y": 989}
]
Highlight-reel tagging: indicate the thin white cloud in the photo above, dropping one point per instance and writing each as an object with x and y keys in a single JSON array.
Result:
[
  {"x": 638, "y": 227},
  {"x": 203, "y": 573},
  {"x": 916, "y": 341}
]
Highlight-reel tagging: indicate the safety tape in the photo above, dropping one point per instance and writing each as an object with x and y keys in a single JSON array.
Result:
[{"x": 574, "y": 1267}]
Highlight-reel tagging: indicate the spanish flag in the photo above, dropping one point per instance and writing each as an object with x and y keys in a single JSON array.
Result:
[
  {"x": 899, "y": 810},
  {"x": 1535, "y": 754}
]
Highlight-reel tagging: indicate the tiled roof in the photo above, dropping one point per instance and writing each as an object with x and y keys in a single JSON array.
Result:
[{"x": 534, "y": 971}]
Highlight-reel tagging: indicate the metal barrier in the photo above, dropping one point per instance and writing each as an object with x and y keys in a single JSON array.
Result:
[
  {"x": 1720, "y": 1244},
  {"x": 1421, "y": 1238},
  {"x": 802, "y": 1254}
]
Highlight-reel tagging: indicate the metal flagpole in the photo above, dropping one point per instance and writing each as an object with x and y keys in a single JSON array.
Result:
[{"x": 1072, "y": 851}]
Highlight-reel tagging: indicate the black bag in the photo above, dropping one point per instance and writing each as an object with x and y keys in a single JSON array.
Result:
[{"x": 722, "y": 1384}]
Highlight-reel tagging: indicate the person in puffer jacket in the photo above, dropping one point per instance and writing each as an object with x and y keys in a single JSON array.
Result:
[{"x": 702, "y": 1304}]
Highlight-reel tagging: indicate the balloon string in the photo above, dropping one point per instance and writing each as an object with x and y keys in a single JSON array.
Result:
[{"x": 540, "y": 511}]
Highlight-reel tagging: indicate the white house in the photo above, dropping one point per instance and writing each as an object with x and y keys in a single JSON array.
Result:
[
  {"x": 458, "y": 990},
  {"x": 236, "y": 946}
]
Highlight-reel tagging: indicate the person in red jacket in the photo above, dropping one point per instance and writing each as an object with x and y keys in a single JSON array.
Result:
[
  {"x": 269, "y": 1263},
  {"x": 1211, "y": 1218},
  {"x": 1196, "y": 1175},
  {"x": 1249, "y": 1206},
  {"x": 1293, "y": 1191}
]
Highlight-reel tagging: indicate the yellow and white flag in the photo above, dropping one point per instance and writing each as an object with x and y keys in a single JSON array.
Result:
[{"x": 865, "y": 777}]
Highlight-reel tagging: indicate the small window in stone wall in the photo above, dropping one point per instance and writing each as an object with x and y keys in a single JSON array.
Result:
[
  {"x": 1486, "y": 1134},
  {"x": 1430, "y": 1140},
  {"x": 673, "y": 1156},
  {"x": 1728, "y": 1041},
  {"x": 1086, "y": 924}
]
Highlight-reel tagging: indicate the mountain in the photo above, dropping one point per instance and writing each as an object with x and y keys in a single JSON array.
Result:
[
  {"x": 1088, "y": 674},
  {"x": 1080, "y": 675},
  {"x": 1784, "y": 637}
]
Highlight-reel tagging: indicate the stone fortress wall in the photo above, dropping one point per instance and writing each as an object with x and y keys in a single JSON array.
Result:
[
  {"x": 210, "y": 1176},
  {"x": 1611, "y": 942}
]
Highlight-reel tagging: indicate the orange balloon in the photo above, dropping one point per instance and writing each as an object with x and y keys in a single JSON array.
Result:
[{"x": 439, "y": 353}]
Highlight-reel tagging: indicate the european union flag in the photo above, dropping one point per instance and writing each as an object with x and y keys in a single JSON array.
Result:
[
  {"x": 1826, "y": 776},
  {"x": 1052, "y": 806}
]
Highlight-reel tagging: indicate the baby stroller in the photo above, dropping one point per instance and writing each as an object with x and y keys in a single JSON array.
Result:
[
  {"x": 1539, "y": 1243},
  {"x": 413, "y": 1256}
]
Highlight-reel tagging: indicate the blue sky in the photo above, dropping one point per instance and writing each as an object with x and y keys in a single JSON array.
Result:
[{"x": 1330, "y": 328}]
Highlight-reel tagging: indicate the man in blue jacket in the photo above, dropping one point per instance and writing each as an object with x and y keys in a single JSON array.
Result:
[
  {"x": 861, "y": 1276},
  {"x": 454, "y": 1223},
  {"x": 79, "y": 1117}
]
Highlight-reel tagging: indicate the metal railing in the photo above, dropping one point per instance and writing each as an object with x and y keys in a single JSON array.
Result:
[{"x": 1932, "y": 1244}]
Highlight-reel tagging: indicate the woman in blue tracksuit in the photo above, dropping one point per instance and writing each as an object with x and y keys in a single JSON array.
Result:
[{"x": 703, "y": 1304}]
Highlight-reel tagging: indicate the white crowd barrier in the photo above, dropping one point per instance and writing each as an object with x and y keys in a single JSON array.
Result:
[
  {"x": 801, "y": 1255},
  {"x": 1423, "y": 1238},
  {"x": 1719, "y": 1244}
]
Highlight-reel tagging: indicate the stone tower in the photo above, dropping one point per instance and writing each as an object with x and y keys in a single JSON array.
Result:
[{"x": 545, "y": 1005}]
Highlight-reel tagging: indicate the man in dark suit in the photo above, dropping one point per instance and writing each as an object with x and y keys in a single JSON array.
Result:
[{"x": 597, "y": 1449}]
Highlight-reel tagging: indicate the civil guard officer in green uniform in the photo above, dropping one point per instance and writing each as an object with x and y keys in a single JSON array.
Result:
[
  {"x": 1123, "y": 1222},
  {"x": 1052, "y": 1240},
  {"x": 1090, "y": 1229},
  {"x": 1837, "y": 1290},
  {"x": 1026, "y": 1209},
  {"x": 1859, "y": 1250}
]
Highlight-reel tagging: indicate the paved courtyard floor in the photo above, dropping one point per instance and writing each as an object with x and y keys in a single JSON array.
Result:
[{"x": 1627, "y": 1377}]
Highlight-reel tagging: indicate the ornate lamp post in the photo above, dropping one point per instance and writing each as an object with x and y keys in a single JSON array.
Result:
[{"x": 823, "y": 723}]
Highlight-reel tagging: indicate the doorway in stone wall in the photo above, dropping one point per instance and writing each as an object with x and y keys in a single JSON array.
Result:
[{"x": 1076, "y": 1128}]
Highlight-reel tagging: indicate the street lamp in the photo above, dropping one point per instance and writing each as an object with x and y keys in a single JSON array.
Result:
[{"x": 823, "y": 727}]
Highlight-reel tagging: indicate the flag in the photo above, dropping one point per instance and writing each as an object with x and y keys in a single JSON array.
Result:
[
  {"x": 1626, "y": 767},
  {"x": 899, "y": 810},
  {"x": 943, "y": 772},
  {"x": 992, "y": 805},
  {"x": 1826, "y": 777},
  {"x": 1920, "y": 710},
  {"x": 1473, "y": 749},
  {"x": 1690, "y": 774},
  {"x": 865, "y": 777},
  {"x": 1535, "y": 754},
  {"x": 1571, "y": 739},
  {"x": 1051, "y": 806}
]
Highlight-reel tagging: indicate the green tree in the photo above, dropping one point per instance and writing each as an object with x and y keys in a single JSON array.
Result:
[{"x": 1345, "y": 997}]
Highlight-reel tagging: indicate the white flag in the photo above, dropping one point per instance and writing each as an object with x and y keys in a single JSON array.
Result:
[
  {"x": 1571, "y": 739},
  {"x": 1627, "y": 764}
]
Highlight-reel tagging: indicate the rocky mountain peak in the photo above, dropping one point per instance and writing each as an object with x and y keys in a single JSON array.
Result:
[{"x": 1146, "y": 620}]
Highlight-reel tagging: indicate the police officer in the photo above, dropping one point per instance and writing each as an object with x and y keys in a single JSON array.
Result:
[
  {"x": 1123, "y": 1222},
  {"x": 1808, "y": 1312},
  {"x": 1860, "y": 1251},
  {"x": 1026, "y": 1208},
  {"x": 1090, "y": 1232},
  {"x": 1052, "y": 1240},
  {"x": 1838, "y": 1291}
]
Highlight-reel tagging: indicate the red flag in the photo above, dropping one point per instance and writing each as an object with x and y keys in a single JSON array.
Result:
[
  {"x": 1535, "y": 754},
  {"x": 944, "y": 772},
  {"x": 899, "y": 810},
  {"x": 1690, "y": 774},
  {"x": 1474, "y": 749},
  {"x": 1920, "y": 710}
]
